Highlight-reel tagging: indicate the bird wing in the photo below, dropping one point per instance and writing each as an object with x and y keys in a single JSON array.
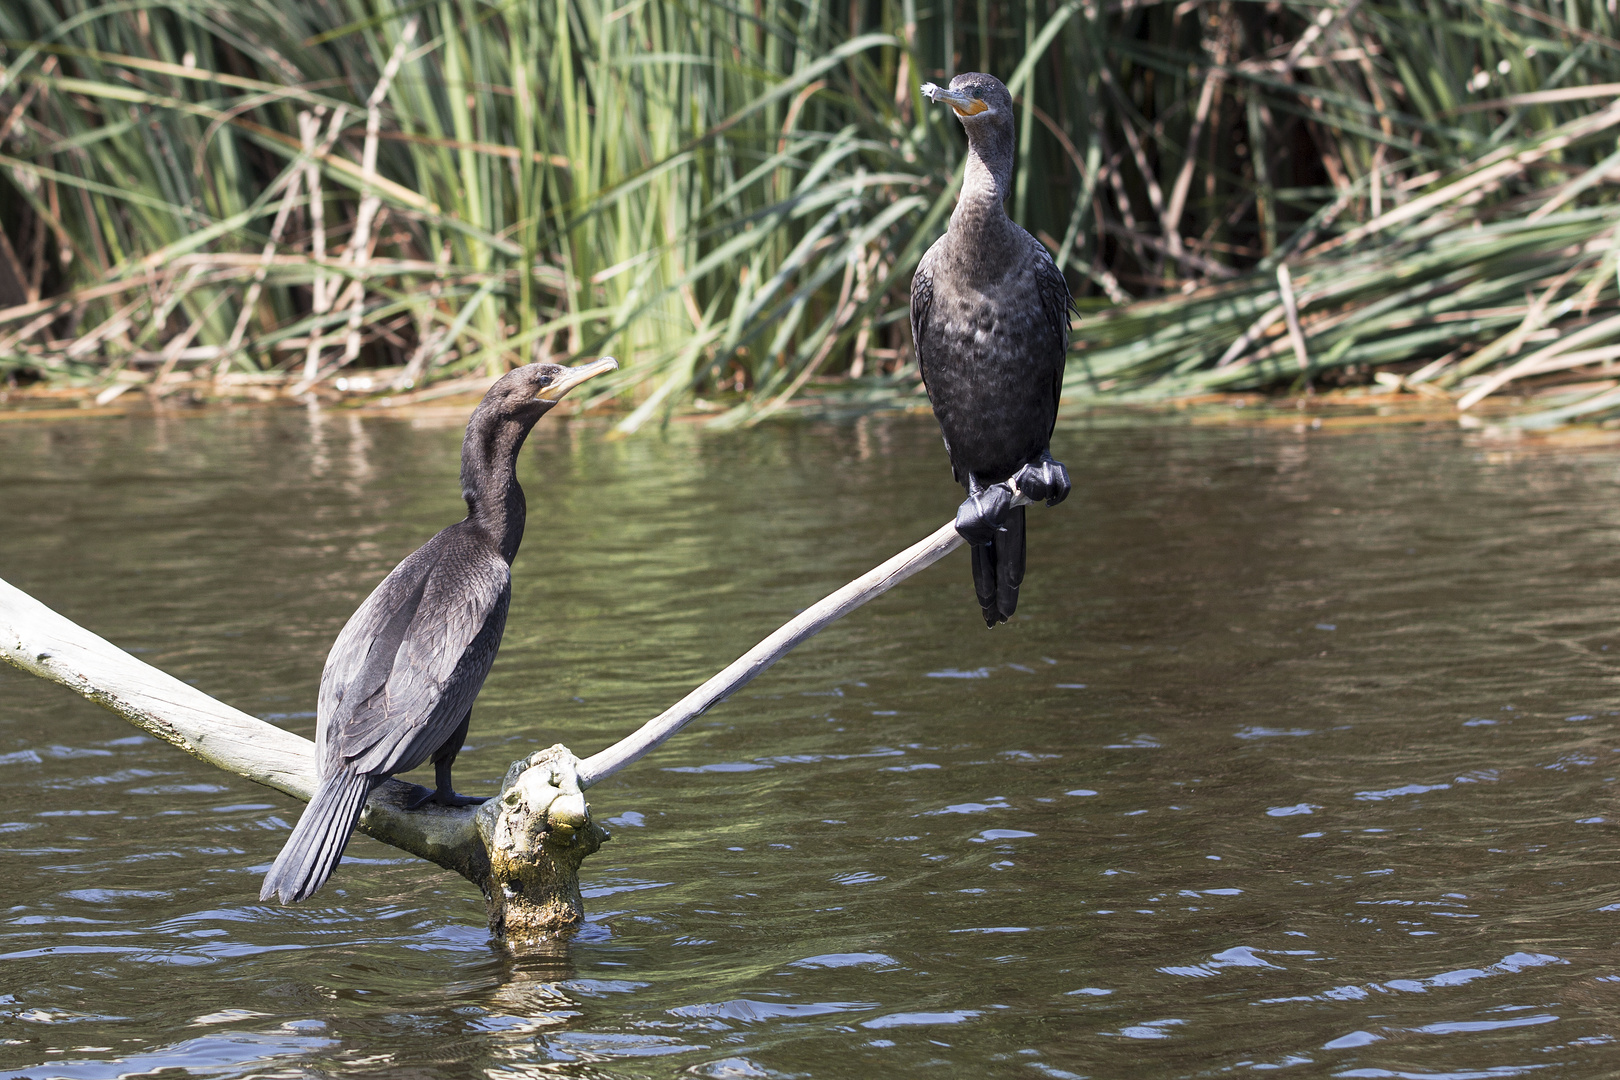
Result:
[
  {"x": 1056, "y": 305},
  {"x": 922, "y": 300},
  {"x": 922, "y": 296},
  {"x": 389, "y": 668}
]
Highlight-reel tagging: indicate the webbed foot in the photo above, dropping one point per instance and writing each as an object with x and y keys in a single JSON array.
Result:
[
  {"x": 981, "y": 514},
  {"x": 1043, "y": 479},
  {"x": 444, "y": 797}
]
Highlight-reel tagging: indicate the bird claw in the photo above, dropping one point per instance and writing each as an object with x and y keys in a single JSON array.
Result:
[
  {"x": 1044, "y": 479},
  {"x": 981, "y": 514},
  {"x": 444, "y": 798}
]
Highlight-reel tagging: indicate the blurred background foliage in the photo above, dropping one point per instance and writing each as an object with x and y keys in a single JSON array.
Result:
[{"x": 234, "y": 196}]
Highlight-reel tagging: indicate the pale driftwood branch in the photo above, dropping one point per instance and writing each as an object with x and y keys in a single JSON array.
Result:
[
  {"x": 44, "y": 643},
  {"x": 523, "y": 848},
  {"x": 741, "y": 672}
]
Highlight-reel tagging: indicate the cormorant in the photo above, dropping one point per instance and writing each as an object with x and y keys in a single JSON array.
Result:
[
  {"x": 399, "y": 683},
  {"x": 990, "y": 319}
]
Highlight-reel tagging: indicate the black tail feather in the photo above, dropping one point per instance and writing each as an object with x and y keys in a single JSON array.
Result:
[
  {"x": 998, "y": 570},
  {"x": 317, "y": 842},
  {"x": 1010, "y": 562},
  {"x": 984, "y": 580}
]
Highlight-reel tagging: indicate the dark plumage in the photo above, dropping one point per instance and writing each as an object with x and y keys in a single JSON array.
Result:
[
  {"x": 990, "y": 319},
  {"x": 400, "y": 680}
]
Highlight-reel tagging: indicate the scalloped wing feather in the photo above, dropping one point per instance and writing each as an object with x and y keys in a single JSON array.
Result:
[{"x": 433, "y": 624}]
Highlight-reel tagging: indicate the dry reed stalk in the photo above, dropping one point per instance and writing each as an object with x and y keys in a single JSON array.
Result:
[
  {"x": 359, "y": 248},
  {"x": 846, "y": 308},
  {"x": 165, "y": 296},
  {"x": 1494, "y": 168},
  {"x": 1431, "y": 370},
  {"x": 1540, "y": 361},
  {"x": 1296, "y": 337},
  {"x": 1544, "y": 97},
  {"x": 1254, "y": 333},
  {"x": 19, "y": 110},
  {"x": 1188, "y": 259},
  {"x": 115, "y": 324},
  {"x": 1206, "y": 99},
  {"x": 172, "y": 350},
  {"x": 30, "y": 329},
  {"x": 1576, "y": 359},
  {"x": 309, "y": 124},
  {"x": 1172, "y": 237},
  {"x": 321, "y": 286},
  {"x": 1534, "y": 319},
  {"x": 863, "y": 336},
  {"x": 1376, "y": 200},
  {"x": 1606, "y": 170},
  {"x": 250, "y": 300}
]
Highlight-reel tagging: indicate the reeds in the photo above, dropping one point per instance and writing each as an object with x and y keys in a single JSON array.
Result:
[{"x": 213, "y": 193}]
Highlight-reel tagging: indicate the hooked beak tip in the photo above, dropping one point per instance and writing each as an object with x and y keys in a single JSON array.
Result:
[
  {"x": 572, "y": 377},
  {"x": 962, "y": 104}
]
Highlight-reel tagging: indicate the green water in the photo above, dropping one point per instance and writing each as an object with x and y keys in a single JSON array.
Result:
[{"x": 1301, "y": 752}]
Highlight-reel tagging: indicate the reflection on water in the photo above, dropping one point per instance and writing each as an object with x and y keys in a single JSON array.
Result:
[{"x": 1300, "y": 752}]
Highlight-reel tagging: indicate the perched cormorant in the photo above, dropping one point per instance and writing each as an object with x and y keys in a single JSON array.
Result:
[
  {"x": 400, "y": 680},
  {"x": 990, "y": 319}
]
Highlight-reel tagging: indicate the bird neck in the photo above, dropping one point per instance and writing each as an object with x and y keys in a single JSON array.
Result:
[
  {"x": 489, "y": 483},
  {"x": 979, "y": 217}
]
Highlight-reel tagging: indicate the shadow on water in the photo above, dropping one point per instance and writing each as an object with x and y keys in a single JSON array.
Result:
[{"x": 1300, "y": 752}]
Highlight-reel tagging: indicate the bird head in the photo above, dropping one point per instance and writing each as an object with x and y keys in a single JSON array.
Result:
[
  {"x": 534, "y": 388},
  {"x": 495, "y": 435},
  {"x": 979, "y": 100}
]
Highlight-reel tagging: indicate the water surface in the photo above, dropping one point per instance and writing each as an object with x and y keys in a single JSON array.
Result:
[{"x": 1301, "y": 752}]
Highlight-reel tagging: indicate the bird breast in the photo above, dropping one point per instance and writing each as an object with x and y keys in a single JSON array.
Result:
[{"x": 995, "y": 308}]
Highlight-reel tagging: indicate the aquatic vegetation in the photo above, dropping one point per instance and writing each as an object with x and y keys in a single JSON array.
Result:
[{"x": 232, "y": 195}]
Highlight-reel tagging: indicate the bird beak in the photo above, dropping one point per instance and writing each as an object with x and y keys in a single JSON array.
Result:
[
  {"x": 572, "y": 377},
  {"x": 964, "y": 104}
]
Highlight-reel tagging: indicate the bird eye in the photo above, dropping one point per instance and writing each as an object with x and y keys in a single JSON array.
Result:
[{"x": 545, "y": 380}]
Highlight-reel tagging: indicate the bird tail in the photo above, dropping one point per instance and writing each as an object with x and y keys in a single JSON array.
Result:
[
  {"x": 998, "y": 569},
  {"x": 317, "y": 842}
]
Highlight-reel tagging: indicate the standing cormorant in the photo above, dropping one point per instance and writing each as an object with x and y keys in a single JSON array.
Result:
[
  {"x": 990, "y": 319},
  {"x": 400, "y": 680}
]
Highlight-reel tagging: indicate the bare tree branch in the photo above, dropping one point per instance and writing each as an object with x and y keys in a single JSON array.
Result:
[
  {"x": 741, "y": 672},
  {"x": 44, "y": 643},
  {"x": 524, "y": 847}
]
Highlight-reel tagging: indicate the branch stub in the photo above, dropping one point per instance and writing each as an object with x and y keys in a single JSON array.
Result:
[{"x": 538, "y": 831}]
